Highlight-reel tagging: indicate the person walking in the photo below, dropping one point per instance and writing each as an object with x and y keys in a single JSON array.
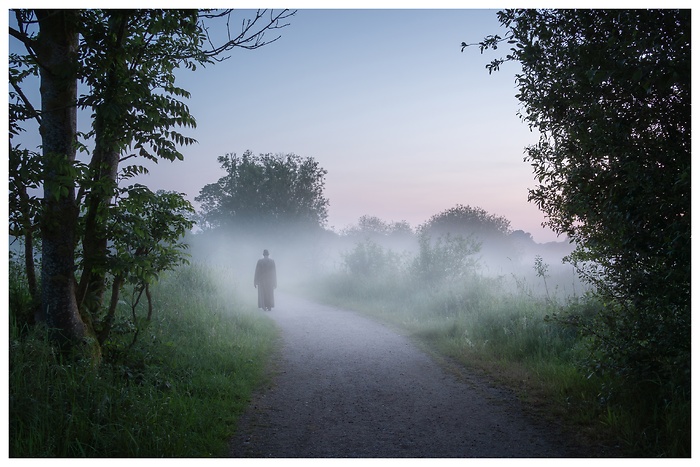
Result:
[{"x": 266, "y": 281}]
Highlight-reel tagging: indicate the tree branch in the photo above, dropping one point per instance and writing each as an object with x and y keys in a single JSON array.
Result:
[
  {"x": 23, "y": 38},
  {"x": 32, "y": 111},
  {"x": 21, "y": 34},
  {"x": 249, "y": 38}
]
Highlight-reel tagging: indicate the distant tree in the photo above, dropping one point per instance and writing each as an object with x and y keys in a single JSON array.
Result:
[
  {"x": 265, "y": 193},
  {"x": 522, "y": 237},
  {"x": 610, "y": 93},
  {"x": 467, "y": 221},
  {"x": 370, "y": 226}
]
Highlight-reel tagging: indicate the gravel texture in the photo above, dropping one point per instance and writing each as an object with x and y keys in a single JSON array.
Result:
[{"x": 346, "y": 386}]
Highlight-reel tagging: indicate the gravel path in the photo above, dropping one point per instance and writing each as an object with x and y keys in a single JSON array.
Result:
[{"x": 346, "y": 386}]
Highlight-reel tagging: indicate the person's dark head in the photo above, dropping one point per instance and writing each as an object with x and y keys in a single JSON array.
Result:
[{"x": 266, "y": 253}]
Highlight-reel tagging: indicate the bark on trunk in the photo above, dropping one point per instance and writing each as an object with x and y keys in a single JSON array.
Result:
[
  {"x": 57, "y": 53},
  {"x": 92, "y": 283},
  {"x": 106, "y": 325}
]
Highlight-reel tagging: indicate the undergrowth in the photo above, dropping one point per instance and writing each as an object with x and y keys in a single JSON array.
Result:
[{"x": 176, "y": 392}]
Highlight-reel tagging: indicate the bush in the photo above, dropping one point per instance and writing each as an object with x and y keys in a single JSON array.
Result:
[{"x": 446, "y": 257}]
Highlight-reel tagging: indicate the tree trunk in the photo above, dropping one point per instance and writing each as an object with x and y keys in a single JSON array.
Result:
[
  {"x": 104, "y": 169},
  {"x": 57, "y": 53},
  {"x": 92, "y": 283},
  {"x": 108, "y": 321}
]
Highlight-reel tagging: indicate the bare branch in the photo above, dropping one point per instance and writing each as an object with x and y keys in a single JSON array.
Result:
[
  {"x": 206, "y": 15},
  {"x": 252, "y": 34},
  {"x": 465, "y": 45},
  {"x": 127, "y": 157}
]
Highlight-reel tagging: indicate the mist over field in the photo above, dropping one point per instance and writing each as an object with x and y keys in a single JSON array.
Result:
[{"x": 304, "y": 257}]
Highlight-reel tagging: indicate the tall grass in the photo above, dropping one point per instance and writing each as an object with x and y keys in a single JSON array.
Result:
[
  {"x": 176, "y": 392},
  {"x": 475, "y": 320}
]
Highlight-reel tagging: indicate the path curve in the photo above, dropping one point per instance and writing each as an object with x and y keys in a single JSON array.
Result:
[{"x": 346, "y": 386}]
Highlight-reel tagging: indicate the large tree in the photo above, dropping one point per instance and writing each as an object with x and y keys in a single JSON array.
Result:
[
  {"x": 127, "y": 60},
  {"x": 266, "y": 193},
  {"x": 609, "y": 92}
]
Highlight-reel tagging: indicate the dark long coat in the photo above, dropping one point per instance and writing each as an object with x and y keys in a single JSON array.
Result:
[{"x": 266, "y": 281}]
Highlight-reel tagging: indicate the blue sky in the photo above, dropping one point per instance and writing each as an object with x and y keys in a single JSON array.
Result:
[{"x": 406, "y": 125}]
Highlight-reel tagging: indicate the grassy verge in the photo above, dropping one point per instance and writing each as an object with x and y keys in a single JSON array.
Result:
[
  {"x": 177, "y": 392},
  {"x": 524, "y": 342},
  {"x": 505, "y": 334}
]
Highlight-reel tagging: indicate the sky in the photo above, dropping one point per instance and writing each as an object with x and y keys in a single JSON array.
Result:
[{"x": 406, "y": 124}]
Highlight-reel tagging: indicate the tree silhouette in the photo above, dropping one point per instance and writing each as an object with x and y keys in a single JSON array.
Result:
[{"x": 609, "y": 92}]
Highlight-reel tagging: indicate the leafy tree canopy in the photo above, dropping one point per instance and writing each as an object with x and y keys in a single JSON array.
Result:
[
  {"x": 265, "y": 191},
  {"x": 609, "y": 92}
]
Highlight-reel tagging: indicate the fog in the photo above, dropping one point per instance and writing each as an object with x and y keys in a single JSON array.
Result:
[
  {"x": 298, "y": 257},
  {"x": 304, "y": 257}
]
